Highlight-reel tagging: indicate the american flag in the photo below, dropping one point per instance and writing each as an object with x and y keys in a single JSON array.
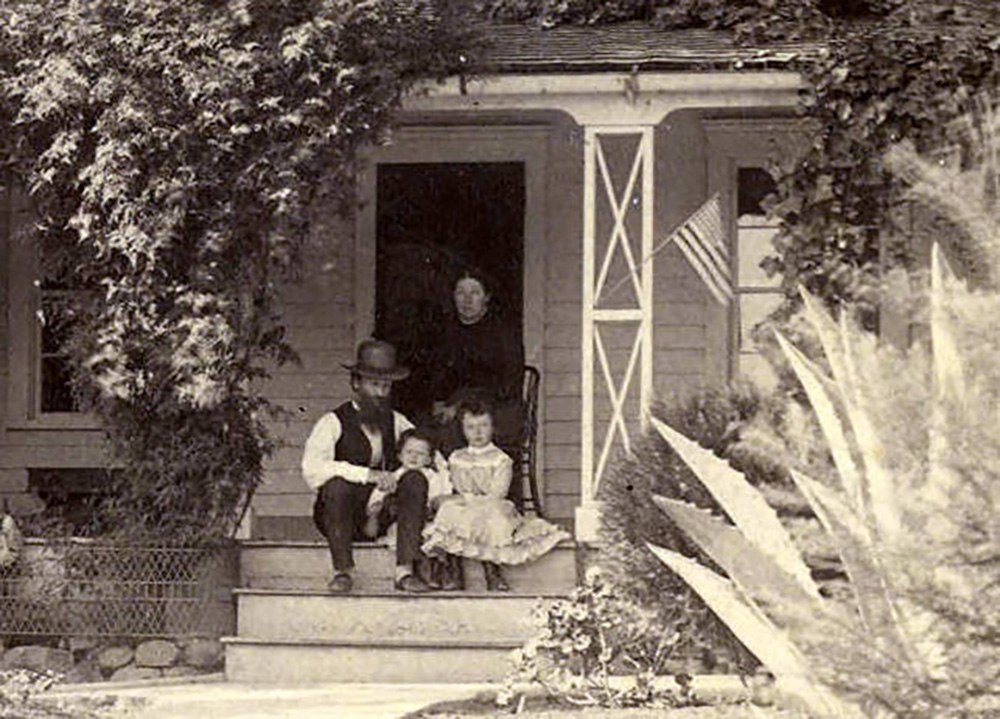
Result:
[{"x": 703, "y": 243}]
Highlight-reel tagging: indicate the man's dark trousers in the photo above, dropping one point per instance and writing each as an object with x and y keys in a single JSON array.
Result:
[{"x": 341, "y": 509}]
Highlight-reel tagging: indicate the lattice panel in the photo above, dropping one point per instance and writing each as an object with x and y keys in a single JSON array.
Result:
[{"x": 617, "y": 296}]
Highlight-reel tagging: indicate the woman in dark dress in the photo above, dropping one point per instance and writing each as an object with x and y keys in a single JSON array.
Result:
[{"x": 478, "y": 356}]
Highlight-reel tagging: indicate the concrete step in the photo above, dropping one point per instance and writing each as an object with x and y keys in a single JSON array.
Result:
[
  {"x": 366, "y": 661},
  {"x": 307, "y": 566},
  {"x": 436, "y": 616}
]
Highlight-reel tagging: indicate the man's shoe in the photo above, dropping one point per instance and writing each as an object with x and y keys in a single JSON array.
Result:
[
  {"x": 340, "y": 584},
  {"x": 413, "y": 584}
]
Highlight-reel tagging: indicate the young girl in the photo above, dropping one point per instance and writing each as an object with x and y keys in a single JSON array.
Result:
[{"x": 481, "y": 523}]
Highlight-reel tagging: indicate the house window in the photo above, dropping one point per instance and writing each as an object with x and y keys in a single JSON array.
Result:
[
  {"x": 757, "y": 295},
  {"x": 43, "y": 317},
  {"x": 54, "y": 327}
]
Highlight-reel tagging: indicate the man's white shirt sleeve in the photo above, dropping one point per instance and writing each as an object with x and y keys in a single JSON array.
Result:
[{"x": 318, "y": 463}]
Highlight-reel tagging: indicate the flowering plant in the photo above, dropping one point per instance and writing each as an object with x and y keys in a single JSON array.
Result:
[{"x": 582, "y": 642}]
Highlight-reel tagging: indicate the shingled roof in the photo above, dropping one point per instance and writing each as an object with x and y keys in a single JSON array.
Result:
[{"x": 626, "y": 46}]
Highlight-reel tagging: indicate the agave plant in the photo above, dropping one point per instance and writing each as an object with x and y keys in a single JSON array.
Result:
[
  {"x": 912, "y": 502},
  {"x": 897, "y": 521},
  {"x": 911, "y": 507}
]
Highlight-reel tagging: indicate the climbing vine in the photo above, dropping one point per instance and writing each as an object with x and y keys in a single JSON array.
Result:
[{"x": 172, "y": 151}]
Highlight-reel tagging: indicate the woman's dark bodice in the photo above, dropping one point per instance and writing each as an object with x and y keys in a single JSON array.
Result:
[{"x": 486, "y": 357}]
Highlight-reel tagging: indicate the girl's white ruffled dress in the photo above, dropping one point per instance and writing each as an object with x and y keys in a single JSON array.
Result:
[{"x": 480, "y": 522}]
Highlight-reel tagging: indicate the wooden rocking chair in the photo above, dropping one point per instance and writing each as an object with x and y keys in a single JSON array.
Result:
[{"x": 527, "y": 465}]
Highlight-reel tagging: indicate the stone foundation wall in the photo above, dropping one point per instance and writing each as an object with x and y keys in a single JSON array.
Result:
[{"x": 83, "y": 660}]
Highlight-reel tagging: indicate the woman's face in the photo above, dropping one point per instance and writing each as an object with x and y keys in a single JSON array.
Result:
[{"x": 471, "y": 300}]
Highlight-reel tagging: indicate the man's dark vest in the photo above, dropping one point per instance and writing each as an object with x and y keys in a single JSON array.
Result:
[{"x": 354, "y": 447}]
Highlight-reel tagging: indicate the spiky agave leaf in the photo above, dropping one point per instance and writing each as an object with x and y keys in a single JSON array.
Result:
[
  {"x": 949, "y": 382},
  {"x": 758, "y": 634},
  {"x": 854, "y": 546},
  {"x": 838, "y": 351},
  {"x": 878, "y": 486},
  {"x": 949, "y": 390},
  {"x": 822, "y": 400},
  {"x": 739, "y": 558},
  {"x": 872, "y": 570},
  {"x": 744, "y": 505}
]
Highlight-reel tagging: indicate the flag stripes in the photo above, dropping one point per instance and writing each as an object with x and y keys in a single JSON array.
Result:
[{"x": 703, "y": 243}]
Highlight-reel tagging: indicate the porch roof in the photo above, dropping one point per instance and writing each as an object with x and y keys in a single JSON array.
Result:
[{"x": 523, "y": 48}]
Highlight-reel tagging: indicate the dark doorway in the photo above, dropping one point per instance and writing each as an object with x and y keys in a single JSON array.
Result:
[{"x": 433, "y": 221}]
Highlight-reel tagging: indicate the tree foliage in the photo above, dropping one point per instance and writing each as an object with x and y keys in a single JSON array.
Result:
[
  {"x": 907, "y": 77},
  {"x": 173, "y": 152}
]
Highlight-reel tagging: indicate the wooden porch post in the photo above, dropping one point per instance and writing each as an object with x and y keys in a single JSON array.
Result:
[{"x": 595, "y": 315}]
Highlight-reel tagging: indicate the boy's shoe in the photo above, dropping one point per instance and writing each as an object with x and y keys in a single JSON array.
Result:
[{"x": 340, "y": 584}]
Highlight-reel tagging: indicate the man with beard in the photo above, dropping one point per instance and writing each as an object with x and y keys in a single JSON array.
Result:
[{"x": 351, "y": 451}]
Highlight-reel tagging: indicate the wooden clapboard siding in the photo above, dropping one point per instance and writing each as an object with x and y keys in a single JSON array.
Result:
[
  {"x": 318, "y": 308},
  {"x": 563, "y": 288},
  {"x": 14, "y": 481},
  {"x": 6, "y": 485},
  {"x": 665, "y": 337},
  {"x": 562, "y": 481},
  {"x": 559, "y": 456},
  {"x": 316, "y": 361},
  {"x": 304, "y": 385},
  {"x": 306, "y": 314},
  {"x": 561, "y": 508}
]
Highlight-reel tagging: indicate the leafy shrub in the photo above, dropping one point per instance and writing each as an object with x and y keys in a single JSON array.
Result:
[
  {"x": 22, "y": 696},
  {"x": 630, "y": 519}
]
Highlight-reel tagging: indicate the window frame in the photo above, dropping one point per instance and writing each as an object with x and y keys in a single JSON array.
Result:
[
  {"x": 735, "y": 144},
  {"x": 741, "y": 291},
  {"x": 24, "y": 352}
]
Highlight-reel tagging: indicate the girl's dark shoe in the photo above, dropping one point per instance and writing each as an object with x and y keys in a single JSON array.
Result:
[
  {"x": 431, "y": 570},
  {"x": 495, "y": 581},
  {"x": 453, "y": 579}
]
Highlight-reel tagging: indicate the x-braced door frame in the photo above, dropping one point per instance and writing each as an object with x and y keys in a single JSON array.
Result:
[{"x": 598, "y": 451}]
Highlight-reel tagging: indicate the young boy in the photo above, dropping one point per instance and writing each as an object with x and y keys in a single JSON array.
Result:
[{"x": 416, "y": 454}]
